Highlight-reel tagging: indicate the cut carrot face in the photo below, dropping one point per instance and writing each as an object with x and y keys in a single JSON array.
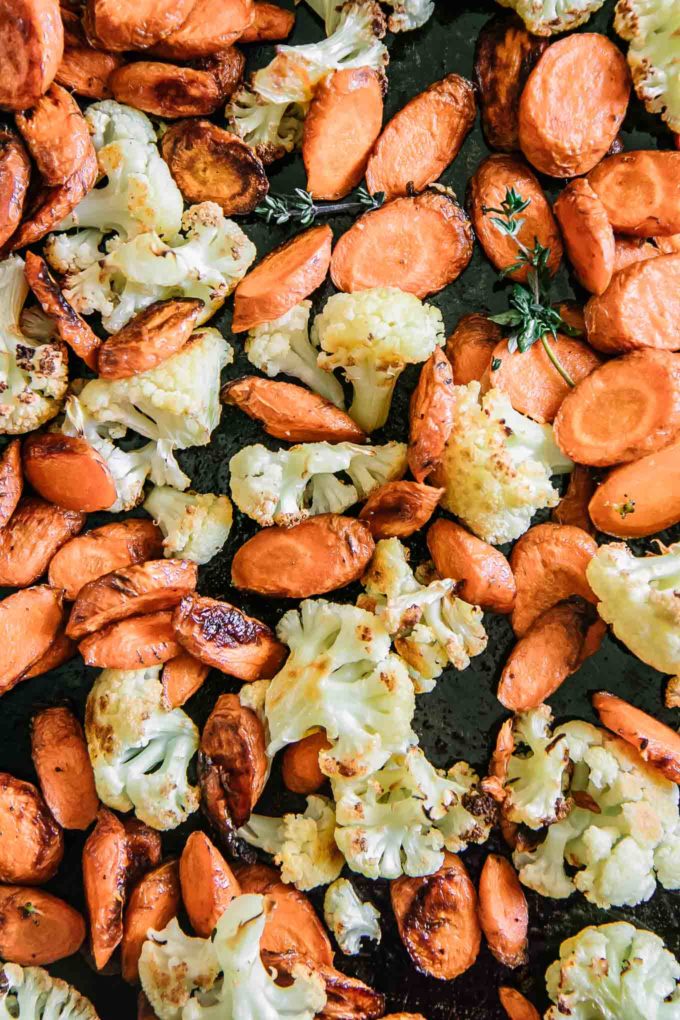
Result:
[
  {"x": 153, "y": 336},
  {"x": 11, "y": 480},
  {"x": 626, "y": 409},
  {"x": 639, "y": 191},
  {"x": 60, "y": 757},
  {"x": 573, "y": 507},
  {"x": 210, "y": 27},
  {"x": 418, "y": 244},
  {"x": 399, "y": 509},
  {"x": 70, "y": 327},
  {"x": 572, "y": 314},
  {"x": 105, "y": 875},
  {"x": 102, "y": 551},
  {"x": 343, "y": 122},
  {"x": 573, "y": 104},
  {"x": 283, "y": 279},
  {"x": 32, "y": 844},
  {"x": 50, "y": 206},
  {"x": 470, "y": 347},
  {"x": 67, "y": 471},
  {"x": 166, "y": 90},
  {"x": 134, "y": 643},
  {"x": 270, "y": 23},
  {"x": 15, "y": 174},
  {"x": 152, "y": 904},
  {"x": 553, "y": 648},
  {"x": 503, "y": 911},
  {"x": 628, "y": 503},
  {"x": 628, "y": 250},
  {"x": 516, "y": 1006},
  {"x": 56, "y": 134},
  {"x": 483, "y": 574},
  {"x": 549, "y": 563},
  {"x": 300, "y": 763},
  {"x": 29, "y": 623},
  {"x": 133, "y": 26},
  {"x": 37, "y": 928},
  {"x": 587, "y": 235},
  {"x": 530, "y": 379},
  {"x": 60, "y": 651},
  {"x": 182, "y": 676},
  {"x": 233, "y": 765},
  {"x": 34, "y": 533},
  {"x": 208, "y": 883},
  {"x": 143, "y": 847},
  {"x": 421, "y": 140},
  {"x": 656, "y": 743},
  {"x": 430, "y": 415},
  {"x": 487, "y": 189},
  {"x": 32, "y": 44},
  {"x": 84, "y": 69}
]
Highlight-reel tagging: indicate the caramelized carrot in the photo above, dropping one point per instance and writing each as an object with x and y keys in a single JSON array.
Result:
[
  {"x": 639, "y": 191},
  {"x": 15, "y": 174},
  {"x": 70, "y": 326},
  {"x": 470, "y": 347},
  {"x": 133, "y": 24},
  {"x": 167, "y": 90},
  {"x": 284, "y": 278},
  {"x": 418, "y": 244},
  {"x": 133, "y": 643},
  {"x": 483, "y": 574},
  {"x": 300, "y": 763},
  {"x": 587, "y": 234},
  {"x": 143, "y": 849},
  {"x": 84, "y": 69},
  {"x": 399, "y": 509},
  {"x": 102, "y": 551},
  {"x": 29, "y": 622},
  {"x": 270, "y": 23},
  {"x": 503, "y": 911},
  {"x": 37, "y": 928},
  {"x": 105, "y": 874},
  {"x": 49, "y": 206},
  {"x": 32, "y": 45},
  {"x": 572, "y": 314},
  {"x": 573, "y": 507},
  {"x": 516, "y": 1006},
  {"x": 181, "y": 678},
  {"x": 630, "y": 504},
  {"x": 67, "y": 471},
  {"x": 211, "y": 26},
  {"x": 11, "y": 480},
  {"x": 32, "y": 844},
  {"x": 233, "y": 766},
  {"x": 56, "y": 134},
  {"x": 34, "y": 533},
  {"x": 60, "y": 651},
  {"x": 152, "y": 336},
  {"x": 626, "y": 409},
  {"x": 628, "y": 250},
  {"x": 152, "y": 904},
  {"x": 430, "y": 415},
  {"x": 208, "y": 883},
  {"x": 421, "y": 140},
  {"x": 60, "y": 757},
  {"x": 657, "y": 743}
]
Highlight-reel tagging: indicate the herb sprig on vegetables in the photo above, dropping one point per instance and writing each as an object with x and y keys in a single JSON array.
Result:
[{"x": 301, "y": 206}]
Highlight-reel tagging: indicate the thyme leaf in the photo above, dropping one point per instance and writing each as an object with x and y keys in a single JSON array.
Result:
[{"x": 300, "y": 206}]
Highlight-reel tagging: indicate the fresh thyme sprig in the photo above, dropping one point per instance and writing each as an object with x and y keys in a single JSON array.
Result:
[{"x": 301, "y": 206}]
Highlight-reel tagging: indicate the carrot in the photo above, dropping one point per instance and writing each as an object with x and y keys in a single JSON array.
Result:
[
  {"x": 418, "y": 244},
  {"x": 630, "y": 504},
  {"x": 102, "y": 551},
  {"x": 208, "y": 883},
  {"x": 470, "y": 347},
  {"x": 284, "y": 278},
  {"x": 530, "y": 379},
  {"x": 15, "y": 173},
  {"x": 37, "y": 928},
  {"x": 516, "y": 1006},
  {"x": 573, "y": 104},
  {"x": 549, "y": 563},
  {"x": 494, "y": 783},
  {"x": 182, "y": 676},
  {"x": 420, "y": 141},
  {"x": 105, "y": 874},
  {"x": 668, "y": 244},
  {"x": 153, "y": 903},
  {"x": 150, "y": 338},
  {"x": 572, "y": 314},
  {"x": 29, "y": 622},
  {"x": 221, "y": 636},
  {"x": 61, "y": 760},
  {"x": 640, "y": 308},
  {"x": 430, "y": 415},
  {"x": 503, "y": 911},
  {"x": 627, "y": 408},
  {"x": 31, "y": 45},
  {"x": 553, "y": 648},
  {"x": 67, "y": 471},
  {"x": 233, "y": 766},
  {"x": 211, "y": 26},
  {"x": 346, "y": 996},
  {"x": 143, "y": 850},
  {"x": 587, "y": 234},
  {"x": 343, "y": 122},
  {"x": 319, "y": 555},
  {"x": 141, "y": 588},
  {"x": 300, "y": 763},
  {"x": 483, "y": 574},
  {"x": 628, "y": 250},
  {"x": 49, "y": 206},
  {"x": 56, "y": 134},
  {"x": 399, "y": 509},
  {"x": 639, "y": 191},
  {"x": 11, "y": 480},
  {"x": 84, "y": 69},
  {"x": 34, "y": 533},
  {"x": 270, "y": 23},
  {"x": 32, "y": 844},
  {"x": 60, "y": 651},
  {"x": 134, "y": 643},
  {"x": 70, "y": 326},
  {"x": 487, "y": 189},
  {"x": 133, "y": 24},
  {"x": 573, "y": 506},
  {"x": 657, "y": 743},
  {"x": 166, "y": 90}
]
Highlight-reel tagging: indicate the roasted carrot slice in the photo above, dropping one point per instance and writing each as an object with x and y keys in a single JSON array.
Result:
[
  {"x": 418, "y": 244},
  {"x": 220, "y": 635},
  {"x": 657, "y": 743},
  {"x": 421, "y": 140},
  {"x": 102, "y": 551},
  {"x": 29, "y": 622},
  {"x": 345, "y": 996},
  {"x": 319, "y": 555},
  {"x": 105, "y": 875},
  {"x": 152, "y": 904},
  {"x": 67, "y": 471},
  {"x": 399, "y": 509},
  {"x": 37, "y": 928},
  {"x": 56, "y": 134},
  {"x": 341, "y": 126},
  {"x": 208, "y": 883},
  {"x": 639, "y": 191},
  {"x": 487, "y": 190},
  {"x": 70, "y": 326},
  {"x": 572, "y": 314},
  {"x": 629, "y": 504},
  {"x": 503, "y": 911},
  {"x": 628, "y": 250},
  {"x": 573, "y": 507},
  {"x": 143, "y": 847},
  {"x": 133, "y": 24},
  {"x": 84, "y": 69},
  {"x": 15, "y": 173},
  {"x": 270, "y": 23},
  {"x": 32, "y": 843},
  {"x": 516, "y": 1006},
  {"x": 300, "y": 763},
  {"x": 133, "y": 643},
  {"x": 141, "y": 588},
  {"x": 626, "y": 409},
  {"x": 32, "y": 44},
  {"x": 36, "y": 530},
  {"x": 11, "y": 480},
  {"x": 166, "y": 90},
  {"x": 285, "y": 277},
  {"x": 60, "y": 757},
  {"x": 233, "y": 765},
  {"x": 483, "y": 574},
  {"x": 211, "y": 26},
  {"x": 60, "y": 651},
  {"x": 181, "y": 677},
  {"x": 151, "y": 337},
  {"x": 553, "y": 648},
  {"x": 49, "y": 206},
  {"x": 470, "y": 347},
  {"x": 587, "y": 234},
  {"x": 430, "y": 415}
]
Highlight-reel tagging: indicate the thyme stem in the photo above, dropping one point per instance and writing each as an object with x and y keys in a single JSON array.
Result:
[{"x": 556, "y": 362}]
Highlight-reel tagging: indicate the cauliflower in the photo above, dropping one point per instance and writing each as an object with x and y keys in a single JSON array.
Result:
[
  {"x": 431, "y": 627},
  {"x": 652, "y": 27},
  {"x": 348, "y": 918},
  {"x": 409, "y": 14},
  {"x": 400, "y": 819},
  {"x": 271, "y": 129},
  {"x": 30, "y": 993},
  {"x": 640, "y": 598},
  {"x": 303, "y": 846},
  {"x": 549, "y": 17},
  {"x": 110, "y": 121},
  {"x": 287, "y": 486},
  {"x": 537, "y": 772},
  {"x": 614, "y": 972},
  {"x": 340, "y": 676},
  {"x": 140, "y": 750},
  {"x": 620, "y": 827},
  {"x": 195, "y": 525},
  {"x": 69, "y": 253},
  {"x": 373, "y": 335},
  {"x": 205, "y": 979},
  {"x": 497, "y": 465},
  {"x": 206, "y": 262},
  {"x": 282, "y": 345},
  {"x": 33, "y": 374}
]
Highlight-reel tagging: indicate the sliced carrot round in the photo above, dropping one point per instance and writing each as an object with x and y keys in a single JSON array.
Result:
[
  {"x": 11, "y": 480},
  {"x": 641, "y": 498},
  {"x": 632, "y": 249},
  {"x": 587, "y": 235},
  {"x": 150, "y": 338},
  {"x": 656, "y": 742},
  {"x": 639, "y": 191},
  {"x": 270, "y": 23},
  {"x": 470, "y": 347},
  {"x": 483, "y": 575},
  {"x": 67, "y": 471},
  {"x": 573, "y": 507}
]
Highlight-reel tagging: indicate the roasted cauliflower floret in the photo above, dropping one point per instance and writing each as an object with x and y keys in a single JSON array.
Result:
[
  {"x": 195, "y": 525},
  {"x": 69, "y": 253},
  {"x": 537, "y": 771},
  {"x": 409, "y": 14},
  {"x": 652, "y": 27},
  {"x": 549, "y": 17},
  {"x": 271, "y": 129},
  {"x": 30, "y": 993},
  {"x": 350, "y": 919}
]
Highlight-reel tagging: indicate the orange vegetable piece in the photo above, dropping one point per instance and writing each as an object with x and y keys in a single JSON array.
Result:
[
  {"x": 15, "y": 174},
  {"x": 150, "y": 338},
  {"x": 105, "y": 875},
  {"x": 133, "y": 643},
  {"x": 270, "y": 23},
  {"x": 56, "y": 134},
  {"x": 37, "y": 928},
  {"x": 430, "y": 415},
  {"x": 639, "y": 191},
  {"x": 60, "y": 651},
  {"x": 628, "y": 250},
  {"x": 60, "y": 757},
  {"x": 152, "y": 904},
  {"x": 31, "y": 44},
  {"x": 11, "y": 480},
  {"x": 102, "y": 551},
  {"x": 29, "y": 622},
  {"x": 208, "y": 883},
  {"x": 657, "y": 743},
  {"x": 399, "y": 509},
  {"x": 34, "y": 533},
  {"x": 233, "y": 766},
  {"x": 67, "y": 471},
  {"x": 587, "y": 234},
  {"x": 573, "y": 507},
  {"x": 300, "y": 763},
  {"x": 84, "y": 69},
  {"x": 133, "y": 24},
  {"x": 49, "y": 206},
  {"x": 32, "y": 844},
  {"x": 212, "y": 26},
  {"x": 471, "y": 346},
  {"x": 629, "y": 504},
  {"x": 70, "y": 327},
  {"x": 503, "y": 911},
  {"x": 484, "y": 574},
  {"x": 516, "y": 1006},
  {"x": 182, "y": 676}
]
